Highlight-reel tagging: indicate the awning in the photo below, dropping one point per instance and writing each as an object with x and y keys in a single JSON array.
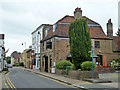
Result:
[{"x": 94, "y": 55}]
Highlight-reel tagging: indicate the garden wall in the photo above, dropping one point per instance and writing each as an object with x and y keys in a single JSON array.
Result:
[
  {"x": 60, "y": 72},
  {"x": 82, "y": 74},
  {"x": 105, "y": 70}
]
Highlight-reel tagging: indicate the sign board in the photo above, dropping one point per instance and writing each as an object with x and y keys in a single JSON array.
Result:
[
  {"x": 54, "y": 64},
  {"x": 53, "y": 70},
  {"x": 92, "y": 42}
]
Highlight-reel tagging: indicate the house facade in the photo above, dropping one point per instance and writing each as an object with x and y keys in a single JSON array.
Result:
[
  {"x": 55, "y": 44},
  {"x": 2, "y": 52},
  {"x": 16, "y": 57}
]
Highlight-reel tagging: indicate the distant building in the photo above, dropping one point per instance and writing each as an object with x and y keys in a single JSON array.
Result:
[
  {"x": 16, "y": 57},
  {"x": 55, "y": 43},
  {"x": 2, "y": 52}
]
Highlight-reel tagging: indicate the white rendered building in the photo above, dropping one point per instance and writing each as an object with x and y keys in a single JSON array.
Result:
[
  {"x": 37, "y": 36},
  {"x": 2, "y": 52}
]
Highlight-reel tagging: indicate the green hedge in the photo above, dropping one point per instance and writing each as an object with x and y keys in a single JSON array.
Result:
[
  {"x": 63, "y": 64},
  {"x": 87, "y": 65}
]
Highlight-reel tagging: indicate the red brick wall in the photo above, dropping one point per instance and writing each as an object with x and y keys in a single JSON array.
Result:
[{"x": 62, "y": 48}]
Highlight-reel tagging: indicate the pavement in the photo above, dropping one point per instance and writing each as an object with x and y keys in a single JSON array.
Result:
[
  {"x": 0, "y": 81},
  {"x": 3, "y": 84},
  {"x": 77, "y": 83}
]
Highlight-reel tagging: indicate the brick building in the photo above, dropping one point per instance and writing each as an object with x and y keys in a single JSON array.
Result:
[{"x": 55, "y": 43}]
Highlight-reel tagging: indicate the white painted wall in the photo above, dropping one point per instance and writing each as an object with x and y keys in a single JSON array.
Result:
[
  {"x": 36, "y": 44},
  {"x": 1, "y": 54}
]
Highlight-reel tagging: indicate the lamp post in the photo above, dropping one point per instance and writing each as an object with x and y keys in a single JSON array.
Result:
[{"x": 92, "y": 63}]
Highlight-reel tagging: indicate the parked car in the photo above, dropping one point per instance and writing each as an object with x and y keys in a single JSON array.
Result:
[{"x": 9, "y": 66}]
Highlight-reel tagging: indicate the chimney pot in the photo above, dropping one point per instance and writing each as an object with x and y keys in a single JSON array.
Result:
[
  {"x": 78, "y": 13},
  {"x": 109, "y": 21}
]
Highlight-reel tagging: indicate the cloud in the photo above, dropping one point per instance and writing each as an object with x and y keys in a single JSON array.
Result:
[{"x": 20, "y": 18}]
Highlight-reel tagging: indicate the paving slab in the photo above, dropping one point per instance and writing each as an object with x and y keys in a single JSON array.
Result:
[
  {"x": 97, "y": 80},
  {"x": 0, "y": 80}
]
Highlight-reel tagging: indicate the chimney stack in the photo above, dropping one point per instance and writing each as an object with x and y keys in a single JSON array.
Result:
[
  {"x": 109, "y": 29},
  {"x": 78, "y": 13}
]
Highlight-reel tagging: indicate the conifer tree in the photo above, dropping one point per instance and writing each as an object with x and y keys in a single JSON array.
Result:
[
  {"x": 80, "y": 41},
  {"x": 118, "y": 33}
]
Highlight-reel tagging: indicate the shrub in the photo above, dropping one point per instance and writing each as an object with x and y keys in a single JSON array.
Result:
[
  {"x": 87, "y": 65},
  {"x": 17, "y": 64},
  {"x": 21, "y": 63},
  {"x": 79, "y": 70},
  {"x": 63, "y": 64},
  {"x": 72, "y": 67}
]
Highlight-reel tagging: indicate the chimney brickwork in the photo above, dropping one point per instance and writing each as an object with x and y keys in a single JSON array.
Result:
[{"x": 109, "y": 29}]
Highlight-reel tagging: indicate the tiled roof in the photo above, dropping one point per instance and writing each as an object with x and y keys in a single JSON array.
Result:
[
  {"x": 116, "y": 43},
  {"x": 97, "y": 32},
  {"x": 62, "y": 28}
]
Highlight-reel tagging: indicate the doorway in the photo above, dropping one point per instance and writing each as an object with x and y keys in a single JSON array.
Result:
[
  {"x": 99, "y": 59},
  {"x": 46, "y": 63}
]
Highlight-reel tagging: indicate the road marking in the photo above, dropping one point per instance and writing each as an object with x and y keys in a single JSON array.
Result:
[
  {"x": 54, "y": 80},
  {"x": 3, "y": 79},
  {"x": 9, "y": 82},
  {"x": 51, "y": 79}
]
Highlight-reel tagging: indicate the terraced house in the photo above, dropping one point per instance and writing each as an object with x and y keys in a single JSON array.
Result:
[{"x": 55, "y": 42}]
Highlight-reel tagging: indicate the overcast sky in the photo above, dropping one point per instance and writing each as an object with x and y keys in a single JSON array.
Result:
[{"x": 19, "y": 18}]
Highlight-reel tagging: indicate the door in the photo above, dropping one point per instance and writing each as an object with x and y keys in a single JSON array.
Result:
[
  {"x": 46, "y": 63},
  {"x": 99, "y": 59}
]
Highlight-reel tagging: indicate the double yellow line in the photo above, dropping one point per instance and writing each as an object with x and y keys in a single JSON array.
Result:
[{"x": 9, "y": 82}]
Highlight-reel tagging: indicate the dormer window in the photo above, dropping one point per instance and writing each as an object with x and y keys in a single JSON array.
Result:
[
  {"x": 46, "y": 32},
  {"x": 54, "y": 27}
]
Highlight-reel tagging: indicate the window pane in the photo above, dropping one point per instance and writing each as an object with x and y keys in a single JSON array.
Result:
[{"x": 97, "y": 44}]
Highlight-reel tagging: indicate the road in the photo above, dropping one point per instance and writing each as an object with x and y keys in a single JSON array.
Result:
[{"x": 25, "y": 79}]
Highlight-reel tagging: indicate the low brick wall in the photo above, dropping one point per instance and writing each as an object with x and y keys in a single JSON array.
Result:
[
  {"x": 79, "y": 75},
  {"x": 88, "y": 74},
  {"x": 105, "y": 70},
  {"x": 60, "y": 72},
  {"x": 74, "y": 74}
]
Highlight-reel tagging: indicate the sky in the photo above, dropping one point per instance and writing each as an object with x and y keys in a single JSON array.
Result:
[{"x": 19, "y": 18}]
